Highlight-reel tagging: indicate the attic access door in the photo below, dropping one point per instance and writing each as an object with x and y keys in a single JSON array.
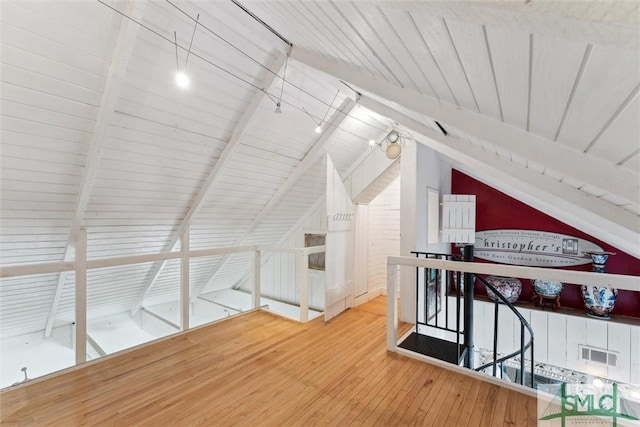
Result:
[{"x": 339, "y": 245}]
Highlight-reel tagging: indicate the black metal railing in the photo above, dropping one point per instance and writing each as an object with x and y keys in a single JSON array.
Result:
[
  {"x": 500, "y": 299},
  {"x": 428, "y": 283}
]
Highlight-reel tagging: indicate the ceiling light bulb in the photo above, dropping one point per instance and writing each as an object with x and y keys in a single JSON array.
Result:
[
  {"x": 182, "y": 80},
  {"x": 598, "y": 382},
  {"x": 278, "y": 110},
  {"x": 372, "y": 142},
  {"x": 318, "y": 129}
]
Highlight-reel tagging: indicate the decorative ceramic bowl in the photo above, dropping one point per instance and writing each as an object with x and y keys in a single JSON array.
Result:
[
  {"x": 547, "y": 288},
  {"x": 599, "y": 301},
  {"x": 509, "y": 287},
  {"x": 599, "y": 258}
]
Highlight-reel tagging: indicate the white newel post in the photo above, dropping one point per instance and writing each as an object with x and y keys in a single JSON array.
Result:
[
  {"x": 303, "y": 271},
  {"x": 255, "y": 289},
  {"x": 81, "y": 297},
  {"x": 184, "y": 281},
  {"x": 392, "y": 307},
  {"x": 408, "y": 232}
]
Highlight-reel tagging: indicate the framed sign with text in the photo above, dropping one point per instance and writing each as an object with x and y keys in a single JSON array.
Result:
[{"x": 532, "y": 248}]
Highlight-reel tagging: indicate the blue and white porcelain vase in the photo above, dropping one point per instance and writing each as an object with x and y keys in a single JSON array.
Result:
[
  {"x": 509, "y": 287},
  {"x": 599, "y": 300}
]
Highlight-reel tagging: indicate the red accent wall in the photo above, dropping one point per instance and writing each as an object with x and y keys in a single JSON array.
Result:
[{"x": 496, "y": 210}]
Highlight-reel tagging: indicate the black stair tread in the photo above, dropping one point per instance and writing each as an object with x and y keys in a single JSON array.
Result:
[{"x": 433, "y": 347}]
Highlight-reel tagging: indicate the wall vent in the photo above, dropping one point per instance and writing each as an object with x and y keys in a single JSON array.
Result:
[{"x": 597, "y": 355}]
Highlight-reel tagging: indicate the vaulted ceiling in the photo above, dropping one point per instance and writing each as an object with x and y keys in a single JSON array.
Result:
[{"x": 537, "y": 98}]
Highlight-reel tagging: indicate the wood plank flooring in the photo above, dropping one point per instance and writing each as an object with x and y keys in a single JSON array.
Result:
[{"x": 262, "y": 370}]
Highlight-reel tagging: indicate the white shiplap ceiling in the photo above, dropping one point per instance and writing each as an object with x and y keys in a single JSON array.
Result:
[
  {"x": 96, "y": 134},
  {"x": 550, "y": 88}
]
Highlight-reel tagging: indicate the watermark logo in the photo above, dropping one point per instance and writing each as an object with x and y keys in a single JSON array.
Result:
[{"x": 585, "y": 405}]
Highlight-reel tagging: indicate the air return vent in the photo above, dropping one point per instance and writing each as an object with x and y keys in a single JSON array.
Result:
[{"x": 597, "y": 355}]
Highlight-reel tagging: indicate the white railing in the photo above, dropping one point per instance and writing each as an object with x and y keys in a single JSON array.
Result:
[
  {"x": 81, "y": 265},
  {"x": 568, "y": 277},
  {"x": 302, "y": 263}
]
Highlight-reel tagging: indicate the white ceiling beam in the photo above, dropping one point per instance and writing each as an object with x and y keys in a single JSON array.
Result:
[
  {"x": 612, "y": 23},
  {"x": 603, "y": 220},
  {"x": 229, "y": 150},
  {"x": 611, "y": 178},
  {"x": 124, "y": 44},
  {"x": 318, "y": 149}
]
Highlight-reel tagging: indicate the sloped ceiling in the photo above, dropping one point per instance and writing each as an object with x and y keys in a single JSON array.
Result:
[
  {"x": 545, "y": 90},
  {"x": 96, "y": 134}
]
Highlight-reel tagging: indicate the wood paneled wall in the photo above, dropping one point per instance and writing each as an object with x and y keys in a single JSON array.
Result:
[{"x": 384, "y": 234}]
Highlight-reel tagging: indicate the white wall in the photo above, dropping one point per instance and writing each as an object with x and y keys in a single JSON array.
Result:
[
  {"x": 361, "y": 256},
  {"x": 365, "y": 177},
  {"x": 279, "y": 270},
  {"x": 339, "y": 262},
  {"x": 383, "y": 234},
  {"x": 434, "y": 171},
  {"x": 421, "y": 168},
  {"x": 278, "y": 274}
]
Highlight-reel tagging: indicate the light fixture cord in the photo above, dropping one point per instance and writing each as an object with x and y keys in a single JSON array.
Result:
[
  {"x": 272, "y": 98},
  {"x": 284, "y": 77},
  {"x": 311, "y": 116},
  {"x": 330, "y": 106},
  {"x": 226, "y": 71},
  {"x": 191, "y": 42},
  {"x": 236, "y": 76},
  {"x": 175, "y": 38}
]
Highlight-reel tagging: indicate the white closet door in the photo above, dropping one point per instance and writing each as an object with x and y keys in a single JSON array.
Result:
[{"x": 339, "y": 255}]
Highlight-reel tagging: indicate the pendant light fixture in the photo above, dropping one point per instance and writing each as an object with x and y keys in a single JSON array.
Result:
[
  {"x": 182, "y": 79},
  {"x": 284, "y": 79},
  {"x": 318, "y": 128}
]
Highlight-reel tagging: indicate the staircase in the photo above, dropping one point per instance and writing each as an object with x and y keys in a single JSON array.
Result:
[{"x": 444, "y": 319}]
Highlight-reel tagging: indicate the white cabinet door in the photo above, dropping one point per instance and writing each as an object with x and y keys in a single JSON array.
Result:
[{"x": 557, "y": 340}]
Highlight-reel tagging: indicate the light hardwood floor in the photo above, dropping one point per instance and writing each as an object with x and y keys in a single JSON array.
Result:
[{"x": 262, "y": 370}]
